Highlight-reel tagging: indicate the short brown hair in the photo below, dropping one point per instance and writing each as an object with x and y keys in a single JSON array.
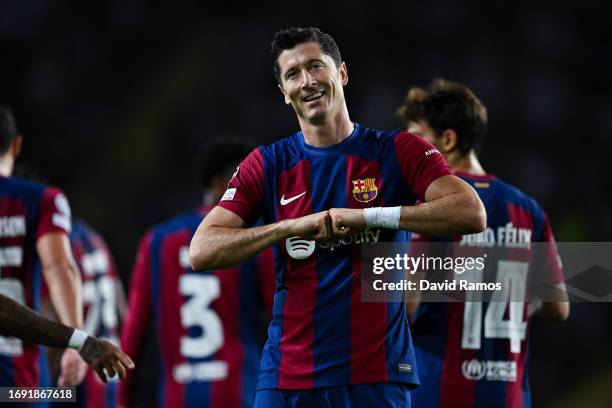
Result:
[{"x": 447, "y": 105}]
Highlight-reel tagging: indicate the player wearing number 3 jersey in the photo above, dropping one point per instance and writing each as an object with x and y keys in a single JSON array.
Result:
[
  {"x": 209, "y": 325},
  {"x": 475, "y": 354}
]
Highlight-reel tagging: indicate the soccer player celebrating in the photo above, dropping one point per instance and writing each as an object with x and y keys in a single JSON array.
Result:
[
  {"x": 328, "y": 187},
  {"x": 466, "y": 358},
  {"x": 34, "y": 226},
  {"x": 208, "y": 325}
]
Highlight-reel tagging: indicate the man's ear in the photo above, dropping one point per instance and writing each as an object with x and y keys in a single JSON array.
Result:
[
  {"x": 16, "y": 146},
  {"x": 449, "y": 141},
  {"x": 343, "y": 74},
  {"x": 287, "y": 101}
]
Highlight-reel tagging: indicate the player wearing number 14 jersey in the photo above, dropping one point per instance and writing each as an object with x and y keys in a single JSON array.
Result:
[
  {"x": 475, "y": 354},
  {"x": 209, "y": 325}
]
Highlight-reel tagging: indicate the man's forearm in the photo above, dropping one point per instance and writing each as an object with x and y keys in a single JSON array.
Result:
[
  {"x": 214, "y": 247},
  {"x": 18, "y": 321},
  {"x": 454, "y": 214},
  {"x": 65, "y": 293}
]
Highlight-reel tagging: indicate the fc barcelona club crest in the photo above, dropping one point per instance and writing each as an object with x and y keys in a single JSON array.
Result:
[{"x": 365, "y": 190}]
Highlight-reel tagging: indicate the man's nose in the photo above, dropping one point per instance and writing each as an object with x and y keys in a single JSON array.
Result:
[{"x": 307, "y": 79}]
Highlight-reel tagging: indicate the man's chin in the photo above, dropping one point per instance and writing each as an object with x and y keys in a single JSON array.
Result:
[{"x": 317, "y": 118}]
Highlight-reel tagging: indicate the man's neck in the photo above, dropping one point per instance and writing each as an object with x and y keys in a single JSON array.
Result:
[
  {"x": 6, "y": 166},
  {"x": 330, "y": 133},
  {"x": 466, "y": 163}
]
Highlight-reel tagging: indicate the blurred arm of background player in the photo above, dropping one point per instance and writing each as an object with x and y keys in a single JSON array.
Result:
[
  {"x": 64, "y": 282},
  {"x": 19, "y": 321}
]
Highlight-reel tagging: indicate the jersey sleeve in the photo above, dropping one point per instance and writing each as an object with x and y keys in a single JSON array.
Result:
[
  {"x": 550, "y": 269},
  {"x": 421, "y": 163},
  {"x": 138, "y": 317},
  {"x": 245, "y": 192},
  {"x": 54, "y": 215}
]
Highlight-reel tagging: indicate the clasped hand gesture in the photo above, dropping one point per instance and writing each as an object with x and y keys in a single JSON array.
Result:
[{"x": 329, "y": 225}]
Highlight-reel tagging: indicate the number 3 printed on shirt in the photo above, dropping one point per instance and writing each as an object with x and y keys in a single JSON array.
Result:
[{"x": 202, "y": 290}]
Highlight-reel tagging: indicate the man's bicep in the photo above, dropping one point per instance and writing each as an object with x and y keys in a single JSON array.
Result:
[
  {"x": 221, "y": 217},
  {"x": 444, "y": 186},
  {"x": 54, "y": 248}
]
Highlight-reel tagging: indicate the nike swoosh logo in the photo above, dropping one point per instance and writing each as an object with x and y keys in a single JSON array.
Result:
[{"x": 284, "y": 201}]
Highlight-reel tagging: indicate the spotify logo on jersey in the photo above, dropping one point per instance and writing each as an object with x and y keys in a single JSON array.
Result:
[{"x": 299, "y": 248}]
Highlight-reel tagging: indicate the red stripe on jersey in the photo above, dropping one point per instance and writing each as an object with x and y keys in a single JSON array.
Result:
[
  {"x": 520, "y": 217},
  {"x": 245, "y": 194},
  {"x": 514, "y": 390},
  {"x": 228, "y": 392},
  {"x": 368, "y": 320},
  {"x": 137, "y": 321},
  {"x": 267, "y": 280},
  {"x": 27, "y": 374},
  {"x": 95, "y": 391},
  {"x": 421, "y": 163},
  {"x": 551, "y": 258},
  {"x": 455, "y": 390},
  {"x": 300, "y": 280},
  {"x": 171, "y": 329}
]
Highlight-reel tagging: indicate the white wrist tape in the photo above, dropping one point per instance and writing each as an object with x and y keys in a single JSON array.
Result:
[
  {"x": 383, "y": 217},
  {"x": 77, "y": 340}
]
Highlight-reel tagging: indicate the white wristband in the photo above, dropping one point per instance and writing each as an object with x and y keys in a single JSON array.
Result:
[
  {"x": 383, "y": 217},
  {"x": 77, "y": 340}
]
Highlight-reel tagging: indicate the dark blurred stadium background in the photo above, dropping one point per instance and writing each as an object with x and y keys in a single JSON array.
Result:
[{"x": 115, "y": 97}]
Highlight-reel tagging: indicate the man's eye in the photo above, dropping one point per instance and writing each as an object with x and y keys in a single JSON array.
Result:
[
  {"x": 317, "y": 65},
  {"x": 290, "y": 75}
]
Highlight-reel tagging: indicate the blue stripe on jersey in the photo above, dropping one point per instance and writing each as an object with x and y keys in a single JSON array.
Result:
[
  {"x": 333, "y": 287},
  {"x": 248, "y": 319},
  {"x": 156, "y": 296},
  {"x": 526, "y": 387},
  {"x": 111, "y": 394},
  {"x": 6, "y": 372}
]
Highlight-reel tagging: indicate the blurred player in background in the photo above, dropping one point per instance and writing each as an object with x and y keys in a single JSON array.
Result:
[
  {"x": 21, "y": 322},
  {"x": 322, "y": 192},
  {"x": 458, "y": 345},
  {"x": 103, "y": 308},
  {"x": 209, "y": 326},
  {"x": 34, "y": 244}
]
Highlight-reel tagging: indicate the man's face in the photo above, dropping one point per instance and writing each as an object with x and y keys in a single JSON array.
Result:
[
  {"x": 421, "y": 128},
  {"x": 311, "y": 82}
]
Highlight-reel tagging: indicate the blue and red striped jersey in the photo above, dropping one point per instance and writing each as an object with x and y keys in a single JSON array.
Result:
[
  {"x": 28, "y": 211},
  {"x": 208, "y": 325},
  {"x": 322, "y": 334},
  {"x": 469, "y": 356},
  {"x": 101, "y": 287}
]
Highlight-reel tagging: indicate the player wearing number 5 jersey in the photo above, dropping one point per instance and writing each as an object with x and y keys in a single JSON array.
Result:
[
  {"x": 475, "y": 353},
  {"x": 34, "y": 226},
  {"x": 209, "y": 325}
]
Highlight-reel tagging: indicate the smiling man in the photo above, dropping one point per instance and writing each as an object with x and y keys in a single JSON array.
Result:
[{"x": 322, "y": 192}]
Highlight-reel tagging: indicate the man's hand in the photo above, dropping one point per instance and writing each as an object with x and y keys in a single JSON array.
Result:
[
  {"x": 72, "y": 369},
  {"x": 316, "y": 227},
  {"x": 102, "y": 355},
  {"x": 346, "y": 221}
]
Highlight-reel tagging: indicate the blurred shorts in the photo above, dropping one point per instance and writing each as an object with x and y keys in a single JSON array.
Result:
[{"x": 389, "y": 395}]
